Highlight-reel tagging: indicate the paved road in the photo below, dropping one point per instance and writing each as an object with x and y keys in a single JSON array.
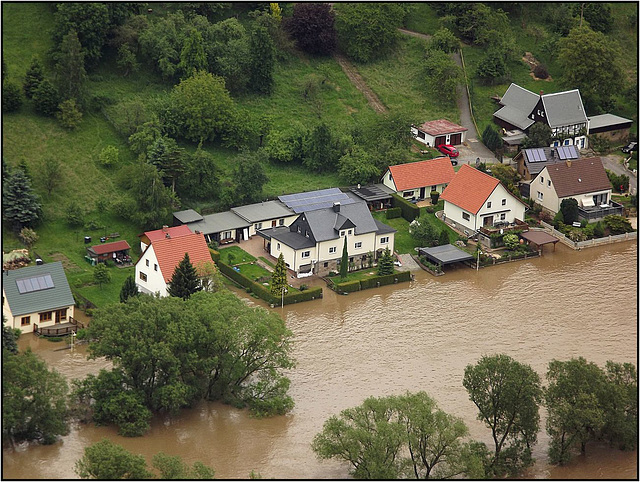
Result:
[{"x": 614, "y": 164}]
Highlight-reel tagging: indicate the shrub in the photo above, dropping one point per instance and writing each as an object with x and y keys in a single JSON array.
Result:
[
  {"x": 394, "y": 213},
  {"x": 511, "y": 241},
  {"x": 348, "y": 286},
  {"x": 569, "y": 210},
  {"x": 541, "y": 71},
  {"x": 558, "y": 219},
  {"x": 11, "y": 97},
  {"x": 618, "y": 224},
  {"x": 68, "y": 114},
  {"x": 109, "y": 156},
  {"x": 409, "y": 211},
  {"x": 45, "y": 99},
  {"x": 598, "y": 230},
  {"x": 434, "y": 197}
]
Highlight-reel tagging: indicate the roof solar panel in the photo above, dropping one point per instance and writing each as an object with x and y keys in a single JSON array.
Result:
[
  {"x": 35, "y": 283},
  {"x": 567, "y": 152},
  {"x": 312, "y": 200},
  {"x": 536, "y": 155}
]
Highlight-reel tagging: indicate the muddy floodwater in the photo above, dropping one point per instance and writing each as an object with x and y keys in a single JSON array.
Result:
[{"x": 414, "y": 336}]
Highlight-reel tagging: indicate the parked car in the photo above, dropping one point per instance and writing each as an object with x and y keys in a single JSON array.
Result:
[
  {"x": 632, "y": 146},
  {"x": 449, "y": 150}
]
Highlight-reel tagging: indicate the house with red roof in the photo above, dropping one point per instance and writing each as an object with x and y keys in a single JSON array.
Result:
[
  {"x": 437, "y": 132},
  {"x": 474, "y": 199},
  {"x": 155, "y": 267},
  {"x": 166, "y": 232},
  {"x": 117, "y": 251},
  {"x": 415, "y": 180}
]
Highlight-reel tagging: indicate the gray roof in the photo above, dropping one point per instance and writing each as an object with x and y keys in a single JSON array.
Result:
[
  {"x": 372, "y": 192},
  {"x": 518, "y": 104},
  {"x": 322, "y": 221},
  {"x": 263, "y": 211},
  {"x": 515, "y": 116},
  {"x": 564, "y": 108},
  {"x": 514, "y": 140},
  {"x": 604, "y": 120},
  {"x": 286, "y": 236},
  {"x": 383, "y": 228},
  {"x": 537, "y": 159},
  {"x": 218, "y": 222},
  {"x": 37, "y": 301},
  {"x": 187, "y": 216},
  {"x": 311, "y": 200},
  {"x": 445, "y": 254}
]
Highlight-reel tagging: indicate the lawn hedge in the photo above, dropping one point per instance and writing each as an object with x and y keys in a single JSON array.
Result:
[
  {"x": 394, "y": 213},
  {"x": 373, "y": 282},
  {"x": 215, "y": 255},
  {"x": 409, "y": 211}
]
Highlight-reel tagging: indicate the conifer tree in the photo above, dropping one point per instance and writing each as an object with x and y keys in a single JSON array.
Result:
[
  {"x": 444, "y": 238},
  {"x": 20, "y": 205},
  {"x": 33, "y": 77},
  {"x": 129, "y": 289},
  {"x": 385, "y": 265},
  {"x": 344, "y": 262},
  {"x": 279, "y": 277},
  {"x": 70, "y": 72},
  {"x": 184, "y": 281}
]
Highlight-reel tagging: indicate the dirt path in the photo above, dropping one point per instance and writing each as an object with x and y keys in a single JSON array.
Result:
[{"x": 357, "y": 80}]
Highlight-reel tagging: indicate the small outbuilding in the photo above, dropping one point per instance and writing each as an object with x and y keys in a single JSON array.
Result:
[
  {"x": 117, "y": 251},
  {"x": 539, "y": 239},
  {"x": 438, "y": 132},
  {"x": 445, "y": 254}
]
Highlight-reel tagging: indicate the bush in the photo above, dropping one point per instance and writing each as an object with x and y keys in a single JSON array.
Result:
[
  {"x": 11, "y": 97},
  {"x": 347, "y": 286},
  {"x": 394, "y": 213},
  {"x": 409, "y": 211},
  {"x": 109, "y": 156},
  {"x": 618, "y": 224},
  {"x": 45, "y": 99},
  {"x": 215, "y": 255},
  {"x": 68, "y": 114},
  {"x": 558, "y": 220},
  {"x": 598, "y": 230},
  {"x": 435, "y": 195},
  {"x": 541, "y": 71}
]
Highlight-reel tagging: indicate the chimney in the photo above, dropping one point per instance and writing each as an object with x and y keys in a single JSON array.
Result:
[
  {"x": 553, "y": 153},
  {"x": 164, "y": 228},
  {"x": 167, "y": 235},
  {"x": 336, "y": 207},
  {"x": 568, "y": 162},
  {"x": 541, "y": 93}
]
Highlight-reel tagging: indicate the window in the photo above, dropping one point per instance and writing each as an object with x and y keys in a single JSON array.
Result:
[
  {"x": 421, "y": 135},
  {"x": 342, "y": 233},
  {"x": 541, "y": 180},
  {"x": 147, "y": 263},
  {"x": 226, "y": 234},
  {"x": 349, "y": 231},
  {"x": 504, "y": 202},
  {"x": 549, "y": 182},
  {"x": 326, "y": 265},
  {"x": 466, "y": 216},
  {"x": 155, "y": 267},
  {"x": 389, "y": 176},
  {"x": 540, "y": 196},
  {"x": 281, "y": 222},
  {"x": 25, "y": 320},
  {"x": 488, "y": 204},
  {"x": 306, "y": 254},
  {"x": 384, "y": 240},
  {"x": 358, "y": 245},
  {"x": 407, "y": 194},
  {"x": 278, "y": 247},
  {"x": 299, "y": 230},
  {"x": 46, "y": 316},
  {"x": 306, "y": 233},
  {"x": 258, "y": 226},
  {"x": 143, "y": 276},
  {"x": 503, "y": 216},
  {"x": 62, "y": 314},
  {"x": 332, "y": 250}
]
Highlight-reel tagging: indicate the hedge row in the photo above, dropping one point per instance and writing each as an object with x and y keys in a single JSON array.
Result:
[
  {"x": 373, "y": 282},
  {"x": 215, "y": 255},
  {"x": 409, "y": 210},
  {"x": 264, "y": 292},
  {"x": 394, "y": 213}
]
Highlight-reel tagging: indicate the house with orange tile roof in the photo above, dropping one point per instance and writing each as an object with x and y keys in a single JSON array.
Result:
[
  {"x": 436, "y": 132},
  {"x": 415, "y": 180},
  {"x": 157, "y": 263},
  {"x": 166, "y": 232},
  {"x": 474, "y": 199}
]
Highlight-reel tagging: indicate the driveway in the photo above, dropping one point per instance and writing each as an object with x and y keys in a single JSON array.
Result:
[{"x": 613, "y": 162}]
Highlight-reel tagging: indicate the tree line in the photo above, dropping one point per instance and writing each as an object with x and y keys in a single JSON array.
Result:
[{"x": 408, "y": 436}]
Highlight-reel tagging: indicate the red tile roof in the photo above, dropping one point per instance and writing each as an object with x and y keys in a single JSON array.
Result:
[
  {"x": 579, "y": 176},
  {"x": 469, "y": 189},
  {"x": 441, "y": 127},
  {"x": 422, "y": 173},
  {"x": 174, "y": 232},
  {"x": 110, "y": 247},
  {"x": 170, "y": 251}
]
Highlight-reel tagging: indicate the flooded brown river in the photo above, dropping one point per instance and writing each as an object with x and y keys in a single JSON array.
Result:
[{"x": 415, "y": 336}]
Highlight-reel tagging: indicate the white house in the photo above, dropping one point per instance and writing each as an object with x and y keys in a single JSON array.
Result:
[
  {"x": 474, "y": 199},
  {"x": 172, "y": 232},
  {"x": 314, "y": 242},
  {"x": 155, "y": 267},
  {"x": 437, "y": 132},
  {"x": 418, "y": 179},
  {"x": 584, "y": 180},
  {"x": 36, "y": 295}
]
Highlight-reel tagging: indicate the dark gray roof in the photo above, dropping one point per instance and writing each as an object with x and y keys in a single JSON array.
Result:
[
  {"x": 218, "y": 222},
  {"x": 372, "y": 192},
  {"x": 286, "y": 236},
  {"x": 383, "y": 228},
  {"x": 604, "y": 120},
  {"x": 263, "y": 211},
  {"x": 518, "y": 104},
  {"x": 322, "y": 221},
  {"x": 564, "y": 108},
  {"x": 312, "y": 200},
  {"x": 515, "y": 116},
  {"x": 445, "y": 254},
  {"x": 41, "y": 300},
  {"x": 187, "y": 216},
  {"x": 538, "y": 158}
]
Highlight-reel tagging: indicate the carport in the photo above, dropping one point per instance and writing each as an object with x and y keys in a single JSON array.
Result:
[
  {"x": 540, "y": 238},
  {"x": 445, "y": 254}
]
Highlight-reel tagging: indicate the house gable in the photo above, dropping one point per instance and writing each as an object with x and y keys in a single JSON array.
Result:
[{"x": 538, "y": 113}]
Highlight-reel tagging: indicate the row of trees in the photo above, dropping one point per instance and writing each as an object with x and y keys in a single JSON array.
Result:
[{"x": 408, "y": 436}]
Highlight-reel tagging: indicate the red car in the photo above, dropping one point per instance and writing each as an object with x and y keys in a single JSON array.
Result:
[{"x": 449, "y": 150}]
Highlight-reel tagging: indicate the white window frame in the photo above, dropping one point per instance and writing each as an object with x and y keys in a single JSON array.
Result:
[
  {"x": 333, "y": 250},
  {"x": 384, "y": 240},
  {"x": 540, "y": 196},
  {"x": 306, "y": 254},
  {"x": 541, "y": 180},
  {"x": 504, "y": 202},
  {"x": 257, "y": 226},
  {"x": 503, "y": 216},
  {"x": 358, "y": 245},
  {"x": 488, "y": 204},
  {"x": 143, "y": 276},
  {"x": 466, "y": 216}
]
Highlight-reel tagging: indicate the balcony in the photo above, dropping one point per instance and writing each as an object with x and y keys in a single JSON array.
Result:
[
  {"x": 599, "y": 212},
  {"x": 517, "y": 225}
]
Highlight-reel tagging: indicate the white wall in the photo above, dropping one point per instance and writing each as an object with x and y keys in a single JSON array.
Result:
[
  {"x": 155, "y": 281},
  {"x": 387, "y": 180},
  {"x": 267, "y": 224},
  {"x": 512, "y": 209},
  {"x": 454, "y": 214},
  {"x": 16, "y": 321}
]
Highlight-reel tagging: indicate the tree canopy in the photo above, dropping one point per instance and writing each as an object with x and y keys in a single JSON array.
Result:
[
  {"x": 312, "y": 27},
  {"x": 20, "y": 204},
  {"x": 184, "y": 281}
]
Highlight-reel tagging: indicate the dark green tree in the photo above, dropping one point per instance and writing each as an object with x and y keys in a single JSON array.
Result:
[
  {"x": 491, "y": 138},
  {"x": 444, "y": 237},
  {"x": 68, "y": 114},
  {"x": 358, "y": 166},
  {"x": 617, "y": 224},
  {"x": 228, "y": 53},
  {"x": 145, "y": 135},
  {"x": 620, "y": 400},
  {"x": 597, "y": 14},
  {"x": 200, "y": 179},
  {"x": 70, "y": 72},
  {"x": 569, "y": 209},
  {"x": 33, "y": 77},
  {"x": 492, "y": 68},
  {"x": 385, "y": 263},
  {"x": 423, "y": 231},
  {"x": 33, "y": 399},
  {"x": 192, "y": 56},
  {"x": 507, "y": 394},
  {"x": 11, "y": 96},
  {"x": 129, "y": 289},
  {"x": 444, "y": 40},
  {"x": 442, "y": 75},
  {"x": 262, "y": 52},
  {"x": 575, "y": 414},
  {"x": 312, "y": 27},
  {"x": 101, "y": 274},
  {"x": 105, "y": 460},
  {"x": 344, "y": 261},
  {"x": 538, "y": 135},
  {"x": 174, "y": 468},
  {"x": 249, "y": 177},
  {"x": 321, "y": 151},
  {"x": 51, "y": 172},
  {"x": 90, "y": 21},
  {"x": 279, "y": 277},
  {"x": 46, "y": 98},
  {"x": 184, "y": 281},
  {"x": 127, "y": 61},
  {"x": 9, "y": 338},
  {"x": 165, "y": 154},
  {"x": 20, "y": 205}
]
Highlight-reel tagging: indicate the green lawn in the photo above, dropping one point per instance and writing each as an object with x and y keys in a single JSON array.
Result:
[
  {"x": 356, "y": 275},
  {"x": 253, "y": 271},
  {"x": 240, "y": 256},
  {"x": 422, "y": 19}
]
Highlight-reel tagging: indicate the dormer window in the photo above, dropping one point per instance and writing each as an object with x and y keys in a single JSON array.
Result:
[{"x": 342, "y": 233}]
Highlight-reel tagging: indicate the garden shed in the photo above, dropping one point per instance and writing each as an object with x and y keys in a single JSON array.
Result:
[
  {"x": 117, "y": 251},
  {"x": 445, "y": 254}
]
